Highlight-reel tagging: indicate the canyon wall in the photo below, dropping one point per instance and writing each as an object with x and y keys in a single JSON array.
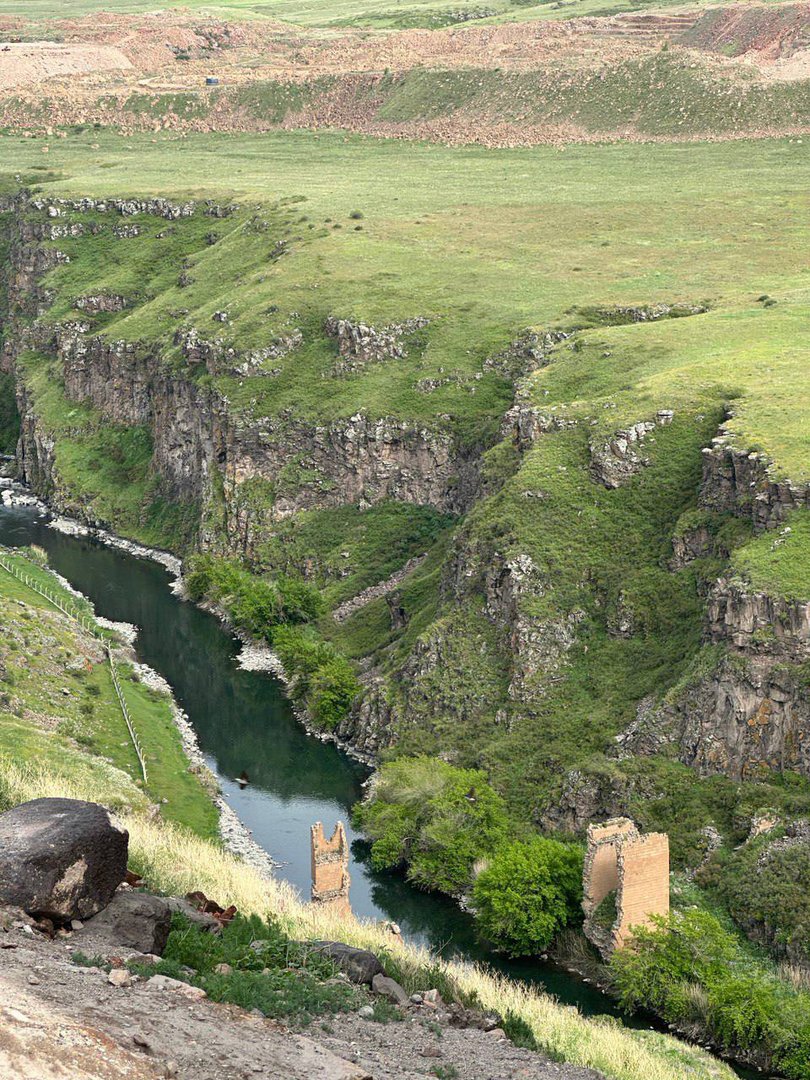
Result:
[{"x": 246, "y": 472}]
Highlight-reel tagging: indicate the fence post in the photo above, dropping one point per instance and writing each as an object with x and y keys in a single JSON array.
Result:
[{"x": 80, "y": 618}]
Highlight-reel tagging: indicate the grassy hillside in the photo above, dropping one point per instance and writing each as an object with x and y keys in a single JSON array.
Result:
[
  {"x": 376, "y": 13},
  {"x": 482, "y": 243},
  {"x": 59, "y": 705}
]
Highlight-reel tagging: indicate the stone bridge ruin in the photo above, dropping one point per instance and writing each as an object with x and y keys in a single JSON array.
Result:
[
  {"x": 625, "y": 882},
  {"x": 330, "y": 868}
]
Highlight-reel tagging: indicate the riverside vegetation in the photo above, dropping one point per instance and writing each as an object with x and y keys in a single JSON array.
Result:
[
  {"x": 175, "y": 854},
  {"x": 542, "y": 417}
]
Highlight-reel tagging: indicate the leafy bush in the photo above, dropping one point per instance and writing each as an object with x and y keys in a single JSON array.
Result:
[
  {"x": 691, "y": 969},
  {"x": 254, "y": 604},
  {"x": 764, "y": 885},
  {"x": 301, "y": 602},
  {"x": 332, "y": 689},
  {"x": 433, "y": 819},
  {"x": 322, "y": 679},
  {"x": 528, "y": 893}
]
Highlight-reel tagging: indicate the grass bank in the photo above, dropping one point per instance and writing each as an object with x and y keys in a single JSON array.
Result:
[
  {"x": 59, "y": 704},
  {"x": 175, "y": 861}
]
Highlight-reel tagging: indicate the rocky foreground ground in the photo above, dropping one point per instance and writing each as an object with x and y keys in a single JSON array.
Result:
[{"x": 58, "y": 1019}]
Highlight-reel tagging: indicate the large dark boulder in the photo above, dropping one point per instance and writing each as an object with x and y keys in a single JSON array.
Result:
[
  {"x": 61, "y": 858},
  {"x": 131, "y": 920},
  {"x": 359, "y": 964}
]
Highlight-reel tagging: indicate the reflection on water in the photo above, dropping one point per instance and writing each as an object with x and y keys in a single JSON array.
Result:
[{"x": 245, "y": 724}]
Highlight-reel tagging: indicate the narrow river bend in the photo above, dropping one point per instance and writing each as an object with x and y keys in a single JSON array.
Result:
[{"x": 243, "y": 722}]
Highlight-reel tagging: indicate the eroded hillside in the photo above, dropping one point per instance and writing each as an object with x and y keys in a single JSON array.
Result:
[
  {"x": 657, "y": 75},
  {"x": 559, "y": 512}
]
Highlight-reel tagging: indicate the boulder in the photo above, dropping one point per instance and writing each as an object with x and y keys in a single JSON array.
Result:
[
  {"x": 61, "y": 858},
  {"x": 390, "y": 989},
  {"x": 160, "y": 983},
  {"x": 359, "y": 964},
  {"x": 132, "y": 920},
  {"x": 178, "y": 905}
]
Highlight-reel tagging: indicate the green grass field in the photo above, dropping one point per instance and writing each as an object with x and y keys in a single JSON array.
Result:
[{"x": 484, "y": 243}]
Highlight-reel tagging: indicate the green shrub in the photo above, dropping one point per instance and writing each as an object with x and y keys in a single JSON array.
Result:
[
  {"x": 433, "y": 819},
  {"x": 321, "y": 678},
  {"x": 530, "y": 891},
  {"x": 743, "y": 1011},
  {"x": 270, "y": 972},
  {"x": 254, "y": 604},
  {"x": 687, "y": 947},
  {"x": 332, "y": 690},
  {"x": 301, "y": 601},
  {"x": 764, "y": 885},
  {"x": 690, "y": 969}
]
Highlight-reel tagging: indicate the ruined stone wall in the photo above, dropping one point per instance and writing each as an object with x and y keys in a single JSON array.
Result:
[
  {"x": 330, "y": 868},
  {"x": 636, "y": 868},
  {"x": 643, "y": 871}
]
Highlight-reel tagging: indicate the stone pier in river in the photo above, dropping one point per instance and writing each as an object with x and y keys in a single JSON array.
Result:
[
  {"x": 625, "y": 881},
  {"x": 330, "y": 868}
]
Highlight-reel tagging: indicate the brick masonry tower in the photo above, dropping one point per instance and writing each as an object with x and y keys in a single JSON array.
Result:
[
  {"x": 330, "y": 868},
  {"x": 630, "y": 868}
]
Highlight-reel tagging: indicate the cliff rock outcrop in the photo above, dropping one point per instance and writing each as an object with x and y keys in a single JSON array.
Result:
[
  {"x": 750, "y": 714},
  {"x": 743, "y": 483},
  {"x": 245, "y": 472}
]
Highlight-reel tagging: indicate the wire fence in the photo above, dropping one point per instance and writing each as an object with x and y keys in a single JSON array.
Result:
[{"x": 90, "y": 626}]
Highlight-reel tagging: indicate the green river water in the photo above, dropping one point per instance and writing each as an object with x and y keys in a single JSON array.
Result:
[{"x": 244, "y": 723}]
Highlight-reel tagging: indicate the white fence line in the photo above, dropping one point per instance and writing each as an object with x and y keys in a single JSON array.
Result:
[{"x": 88, "y": 625}]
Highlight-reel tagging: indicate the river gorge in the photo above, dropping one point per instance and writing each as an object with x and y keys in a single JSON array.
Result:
[{"x": 244, "y": 723}]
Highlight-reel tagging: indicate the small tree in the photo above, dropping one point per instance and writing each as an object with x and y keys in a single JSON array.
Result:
[
  {"x": 433, "y": 819},
  {"x": 528, "y": 893},
  {"x": 332, "y": 690}
]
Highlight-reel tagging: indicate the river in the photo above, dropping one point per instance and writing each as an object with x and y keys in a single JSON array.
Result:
[{"x": 244, "y": 723}]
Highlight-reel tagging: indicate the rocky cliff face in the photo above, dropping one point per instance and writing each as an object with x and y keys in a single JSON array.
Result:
[
  {"x": 750, "y": 714},
  {"x": 246, "y": 473},
  {"x": 744, "y": 484}
]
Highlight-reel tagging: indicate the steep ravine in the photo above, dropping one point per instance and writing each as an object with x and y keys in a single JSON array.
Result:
[{"x": 476, "y": 646}]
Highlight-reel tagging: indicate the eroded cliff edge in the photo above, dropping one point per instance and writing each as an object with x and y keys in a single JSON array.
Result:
[{"x": 558, "y": 600}]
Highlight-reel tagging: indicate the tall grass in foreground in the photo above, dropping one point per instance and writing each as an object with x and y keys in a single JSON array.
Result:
[{"x": 175, "y": 861}]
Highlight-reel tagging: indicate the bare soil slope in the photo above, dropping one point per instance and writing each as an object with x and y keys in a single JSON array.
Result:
[
  {"x": 147, "y": 72},
  {"x": 25, "y": 63}
]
